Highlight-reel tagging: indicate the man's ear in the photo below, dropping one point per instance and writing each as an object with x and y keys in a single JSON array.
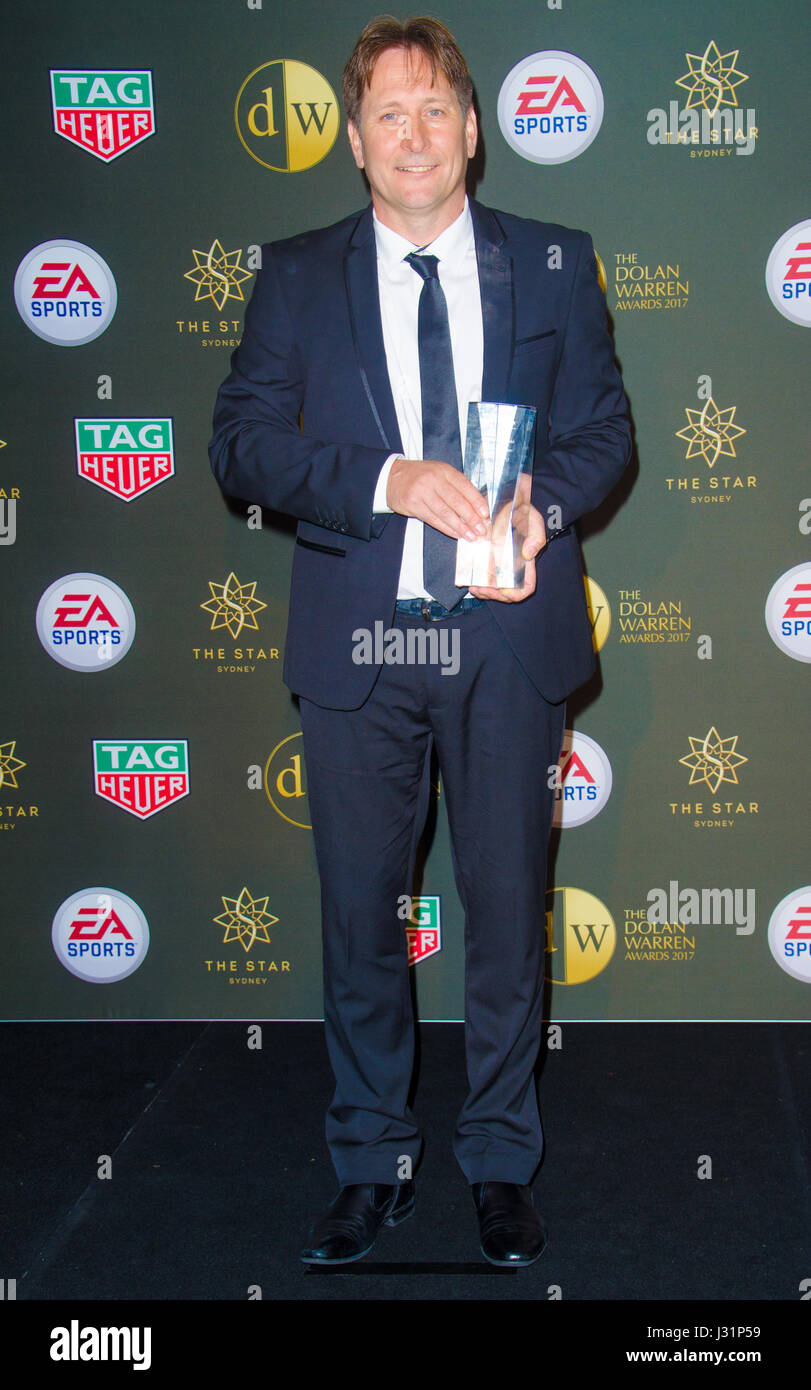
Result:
[
  {"x": 471, "y": 132},
  {"x": 355, "y": 143}
]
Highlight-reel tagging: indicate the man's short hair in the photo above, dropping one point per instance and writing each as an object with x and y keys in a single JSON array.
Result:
[{"x": 428, "y": 36}]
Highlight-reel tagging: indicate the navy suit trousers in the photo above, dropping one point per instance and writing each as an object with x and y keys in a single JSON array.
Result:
[{"x": 368, "y": 777}]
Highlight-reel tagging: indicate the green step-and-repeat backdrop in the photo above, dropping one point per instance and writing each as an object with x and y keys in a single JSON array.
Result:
[{"x": 157, "y": 858}]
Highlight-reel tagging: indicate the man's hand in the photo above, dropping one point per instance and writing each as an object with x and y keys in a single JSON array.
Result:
[
  {"x": 526, "y": 521},
  {"x": 438, "y": 494}
]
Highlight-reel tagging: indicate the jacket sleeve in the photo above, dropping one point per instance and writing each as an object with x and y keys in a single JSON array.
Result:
[
  {"x": 258, "y": 451},
  {"x": 589, "y": 442}
]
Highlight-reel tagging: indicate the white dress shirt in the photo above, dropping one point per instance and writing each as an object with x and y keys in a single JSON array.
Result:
[{"x": 400, "y": 289}]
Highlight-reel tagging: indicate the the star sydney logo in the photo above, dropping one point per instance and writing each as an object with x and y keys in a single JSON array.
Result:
[
  {"x": 711, "y": 79},
  {"x": 711, "y": 119},
  {"x": 104, "y": 112},
  {"x": 713, "y": 760},
  {"x": 233, "y": 605},
  {"x": 218, "y": 275},
  {"x": 246, "y": 919},
  {"x": 710, "y": 432},
  {"x": 9, "y": 765}
]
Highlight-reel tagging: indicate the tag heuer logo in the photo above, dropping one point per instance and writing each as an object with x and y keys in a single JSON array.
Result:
[
  {"x": 105, "y": 112},
  {"x": 424, "y": 931},
  {"x": 141, "y": 776},
  {"x": 125, "y": 457}
]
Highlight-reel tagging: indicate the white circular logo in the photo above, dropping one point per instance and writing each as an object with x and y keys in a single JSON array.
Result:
[
  {"x": 790, "y": 934},
  {"x": 788, "y": 274},
  {"x": 550, "y": 107},
  {"x": 788, "y": 612},
  {"x": 585, "y": 781},
  {"x": 65, "y": 292},
  {"x": 85, "y": 622},
  {"x": 100, "y": 935}
]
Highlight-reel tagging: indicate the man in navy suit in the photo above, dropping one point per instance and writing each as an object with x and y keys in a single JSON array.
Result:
[{"x": 356, "y": 338}]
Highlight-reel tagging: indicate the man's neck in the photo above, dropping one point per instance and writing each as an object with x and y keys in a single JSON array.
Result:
[{"x": 419, "y": 229}]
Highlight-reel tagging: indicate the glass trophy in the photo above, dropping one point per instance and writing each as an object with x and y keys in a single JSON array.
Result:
[{"x": 498, "y": 461}]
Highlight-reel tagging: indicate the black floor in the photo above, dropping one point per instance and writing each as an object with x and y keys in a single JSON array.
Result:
[{"x": 218, "y": 1165}]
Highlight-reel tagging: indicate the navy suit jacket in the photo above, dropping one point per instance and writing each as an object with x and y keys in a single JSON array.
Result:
[{"x": 305, "y": 421}]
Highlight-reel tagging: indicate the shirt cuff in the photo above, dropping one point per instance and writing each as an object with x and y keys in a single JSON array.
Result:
[{"x": 380, "y": 504}]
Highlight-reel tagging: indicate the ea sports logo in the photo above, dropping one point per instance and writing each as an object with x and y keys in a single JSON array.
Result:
[
  {"x": 584, "y": 781},
  {"x": 788, "y": 612},
  {"x": 788, "y": 274},
  {"x": 65, "y": 293},
  {"x": 790, "y": 934},
  {"x": 100, "y": 935},
  {"x": 85, "y": 622},
  {"x": 550, "y": 107},
  {"x": 287, "y": 115}
]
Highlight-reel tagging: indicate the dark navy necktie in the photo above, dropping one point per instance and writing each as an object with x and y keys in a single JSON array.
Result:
[{"x": 440, "y": 420}]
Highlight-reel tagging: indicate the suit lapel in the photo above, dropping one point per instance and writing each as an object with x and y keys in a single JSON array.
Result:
[
  {"x": 498, "y": 309},
  {"x": 360, "y": 272}
]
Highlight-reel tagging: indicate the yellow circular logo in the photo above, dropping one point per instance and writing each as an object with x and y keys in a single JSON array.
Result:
[
  {"x": 599, "y": 613},
  {"x": 285, "y": 782},
  {"x": 580, "y": 936},
  {"x": 287, "y": 115},
  {"x": 600, "y": 273}
]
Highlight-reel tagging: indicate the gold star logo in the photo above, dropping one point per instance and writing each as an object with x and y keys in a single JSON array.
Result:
[
  {"x": 233, "y": 605},
  {"x": 245, "y": 919},
  {"x": 710, "y": 432},
  {"x": 711, "y": 79},
  {"x": 9, "y": 765},
  {"x": 713, "y": 760},
  {"x": 217, "y": 274}
]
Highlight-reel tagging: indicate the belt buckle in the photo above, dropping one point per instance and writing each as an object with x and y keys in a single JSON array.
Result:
[{"x": 425, "y": 610}]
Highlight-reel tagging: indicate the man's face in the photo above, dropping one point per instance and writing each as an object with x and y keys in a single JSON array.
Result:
[{"x": 414, "y": 144}]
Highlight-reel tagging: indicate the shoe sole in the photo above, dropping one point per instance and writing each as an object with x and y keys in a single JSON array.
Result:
[
  {"x": 511, "y": 1264},
  {"x": 350, "y": 1259}
]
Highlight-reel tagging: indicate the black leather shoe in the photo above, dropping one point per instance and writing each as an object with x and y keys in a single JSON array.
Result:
[
  {"x": 511, "y": 1230},
  {"x": 348, "y": 1229}
]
